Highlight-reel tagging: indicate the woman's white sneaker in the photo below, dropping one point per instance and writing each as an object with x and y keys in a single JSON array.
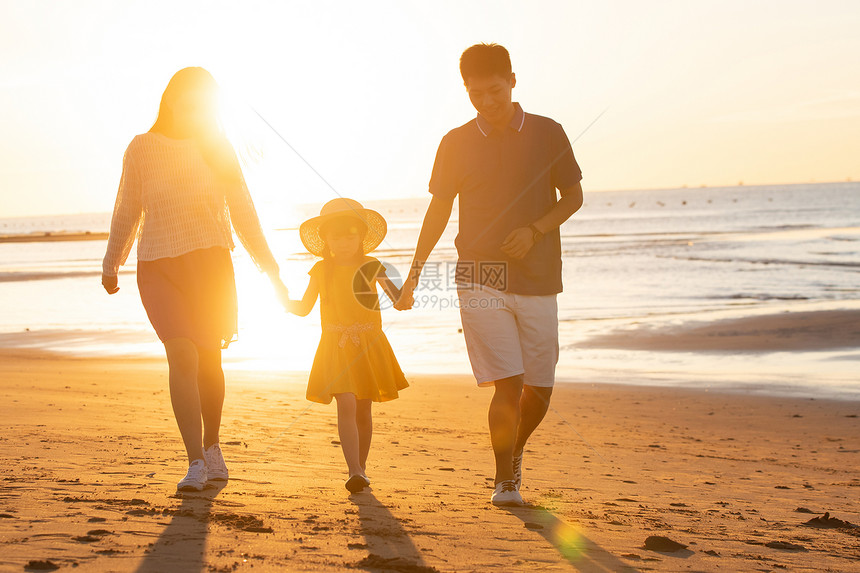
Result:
[
  {"x": 215, "y": 466},
  {"x": 506, "y": 494},
  {"x": 195, "y": 479}
]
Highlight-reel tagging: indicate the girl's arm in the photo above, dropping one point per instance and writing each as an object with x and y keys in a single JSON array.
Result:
[
  {"x": 388, "y": 285},
  {"x": 303, "y": 307}
]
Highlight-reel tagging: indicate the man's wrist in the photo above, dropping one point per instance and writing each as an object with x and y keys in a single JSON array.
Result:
[
  {"x": 414, "y": 274},
  {"x": 537, "y": 234}
]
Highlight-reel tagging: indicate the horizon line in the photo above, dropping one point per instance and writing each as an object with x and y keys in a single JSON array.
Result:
[{"x": 738, "y": 185}]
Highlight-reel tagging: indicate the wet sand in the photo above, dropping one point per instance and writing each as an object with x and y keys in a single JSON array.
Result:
[
  {"x": 90, "y": 458},
  {"x": 45, "y": 237},
  {"x": 788, "y": 331}
]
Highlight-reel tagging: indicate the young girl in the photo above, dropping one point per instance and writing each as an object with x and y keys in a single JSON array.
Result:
[{"x": 354, "y": 362}]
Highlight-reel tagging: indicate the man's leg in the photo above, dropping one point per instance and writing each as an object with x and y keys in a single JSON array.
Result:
[
  {"x": 504, "y": 419},
  {"x": 537, "y": 324},
  {"x": 492, "y": 340},
  {"x": 534, "y": 404}
]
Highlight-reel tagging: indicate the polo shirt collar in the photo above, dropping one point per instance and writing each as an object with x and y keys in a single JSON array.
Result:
[{"x": 516, "y": 123}]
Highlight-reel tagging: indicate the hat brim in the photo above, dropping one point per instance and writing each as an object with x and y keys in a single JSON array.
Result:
[{"x": 377, "y": 228}]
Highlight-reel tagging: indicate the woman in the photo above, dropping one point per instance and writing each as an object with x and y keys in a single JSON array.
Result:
[{"x": 182, "y": 187}]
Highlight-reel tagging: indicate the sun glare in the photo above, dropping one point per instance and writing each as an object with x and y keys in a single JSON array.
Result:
[
  {"x": 269, "y": 337},
  {"x": 263, "y": 160}
]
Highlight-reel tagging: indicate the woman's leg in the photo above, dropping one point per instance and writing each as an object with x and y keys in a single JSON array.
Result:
[
  {"x": 364, "y": 423},
  {"x": 182, "y": 360},
  {"x": 347, "y": 430},
  {"x": 210, "y": 385}
]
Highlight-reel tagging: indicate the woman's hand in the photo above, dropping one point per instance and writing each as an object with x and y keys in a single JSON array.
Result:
[
  {"x": 110, "y": 284},
  {"x": 281, "y": 290}
]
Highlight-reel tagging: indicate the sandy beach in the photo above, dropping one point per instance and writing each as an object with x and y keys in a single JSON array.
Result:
[
  {"x": 668, "y": 194},
  {"x": 90, "y": 458}
]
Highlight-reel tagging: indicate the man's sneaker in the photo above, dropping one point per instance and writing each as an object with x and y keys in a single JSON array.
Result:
[
  {"x": 195, "y": 479},
  {"x": 518, "y": 470},
  {"x": 506, "y": 494},
  {"x": 357, "y": 483},
  {"x": 215, "y": 465}
]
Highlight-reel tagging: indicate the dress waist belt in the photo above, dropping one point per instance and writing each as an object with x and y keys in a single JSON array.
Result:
[{"x": 350, "y": 332}]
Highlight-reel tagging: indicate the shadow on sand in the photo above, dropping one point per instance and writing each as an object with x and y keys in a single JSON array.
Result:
[
  {"x": 582, "y": 553},
  {"x": 181, "y": 547},
  {"x": 388, "y": 544}
]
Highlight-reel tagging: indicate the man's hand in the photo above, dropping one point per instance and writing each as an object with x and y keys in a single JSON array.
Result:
[
  {"x": 518, "y": 243},
  {"x": 110, "y": 284},
  {"x": 406, "y": 299}
]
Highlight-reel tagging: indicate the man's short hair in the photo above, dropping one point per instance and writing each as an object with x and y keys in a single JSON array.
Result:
[{"x": 484, "y": 60}]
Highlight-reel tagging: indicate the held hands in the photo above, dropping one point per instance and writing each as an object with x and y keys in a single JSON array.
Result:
[
  {"x": 281, "y": 290},
  {"x": 518, "y": 243},
  {"x": 292, "y": 306},
  {"x": 406, "y": 298},
  {"x": 110, "y": 284},
  {"x": 283, "y": 294}
]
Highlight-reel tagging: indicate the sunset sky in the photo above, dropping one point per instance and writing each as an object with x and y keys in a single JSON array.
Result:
[{"x": 694, "y": 93}]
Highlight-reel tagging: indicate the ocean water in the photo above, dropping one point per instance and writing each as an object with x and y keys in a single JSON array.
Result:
[{"x": 654, "y": 258}]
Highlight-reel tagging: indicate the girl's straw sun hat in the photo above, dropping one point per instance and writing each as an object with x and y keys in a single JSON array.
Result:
[{"x": 309, "y": 231}]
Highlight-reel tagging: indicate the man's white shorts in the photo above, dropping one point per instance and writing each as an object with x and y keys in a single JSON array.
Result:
[{"x": 510, "y": 334}]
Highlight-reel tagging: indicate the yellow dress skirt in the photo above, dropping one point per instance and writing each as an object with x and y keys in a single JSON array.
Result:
[{"x": 354, "y": 355}]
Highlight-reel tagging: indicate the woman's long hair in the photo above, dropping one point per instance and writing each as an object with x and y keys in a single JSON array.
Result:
[{"x": 208, "y": 132}]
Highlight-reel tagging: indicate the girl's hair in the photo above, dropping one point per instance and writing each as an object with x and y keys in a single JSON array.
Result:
[
  {"x": 343, "y": 224},
  {"x": 211, "y": 140}
]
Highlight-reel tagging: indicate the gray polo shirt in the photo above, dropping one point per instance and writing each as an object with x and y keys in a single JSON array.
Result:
[{"x": 506, "y": 179}]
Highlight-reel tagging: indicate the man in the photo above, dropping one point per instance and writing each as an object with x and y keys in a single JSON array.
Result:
[{"x": 506, "y": 166}]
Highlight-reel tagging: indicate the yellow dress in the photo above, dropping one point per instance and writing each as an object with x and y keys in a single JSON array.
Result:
[{"x": 353, "y": 355}]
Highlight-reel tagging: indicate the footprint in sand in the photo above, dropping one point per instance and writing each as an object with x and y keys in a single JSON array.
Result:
[
  {"x": 38, "y": 565},
  {"x": 663, "y": 544}
]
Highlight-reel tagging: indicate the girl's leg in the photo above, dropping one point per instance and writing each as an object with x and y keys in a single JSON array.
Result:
[
  {"x": 347, "y": 430},
  {"x": 210, "y": 384},
  {"x": 364, "y": 422},
  {"x": 182, "y": 360}
]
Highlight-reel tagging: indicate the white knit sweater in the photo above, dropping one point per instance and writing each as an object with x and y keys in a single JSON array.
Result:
[{"x": 170, "y": 199}]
